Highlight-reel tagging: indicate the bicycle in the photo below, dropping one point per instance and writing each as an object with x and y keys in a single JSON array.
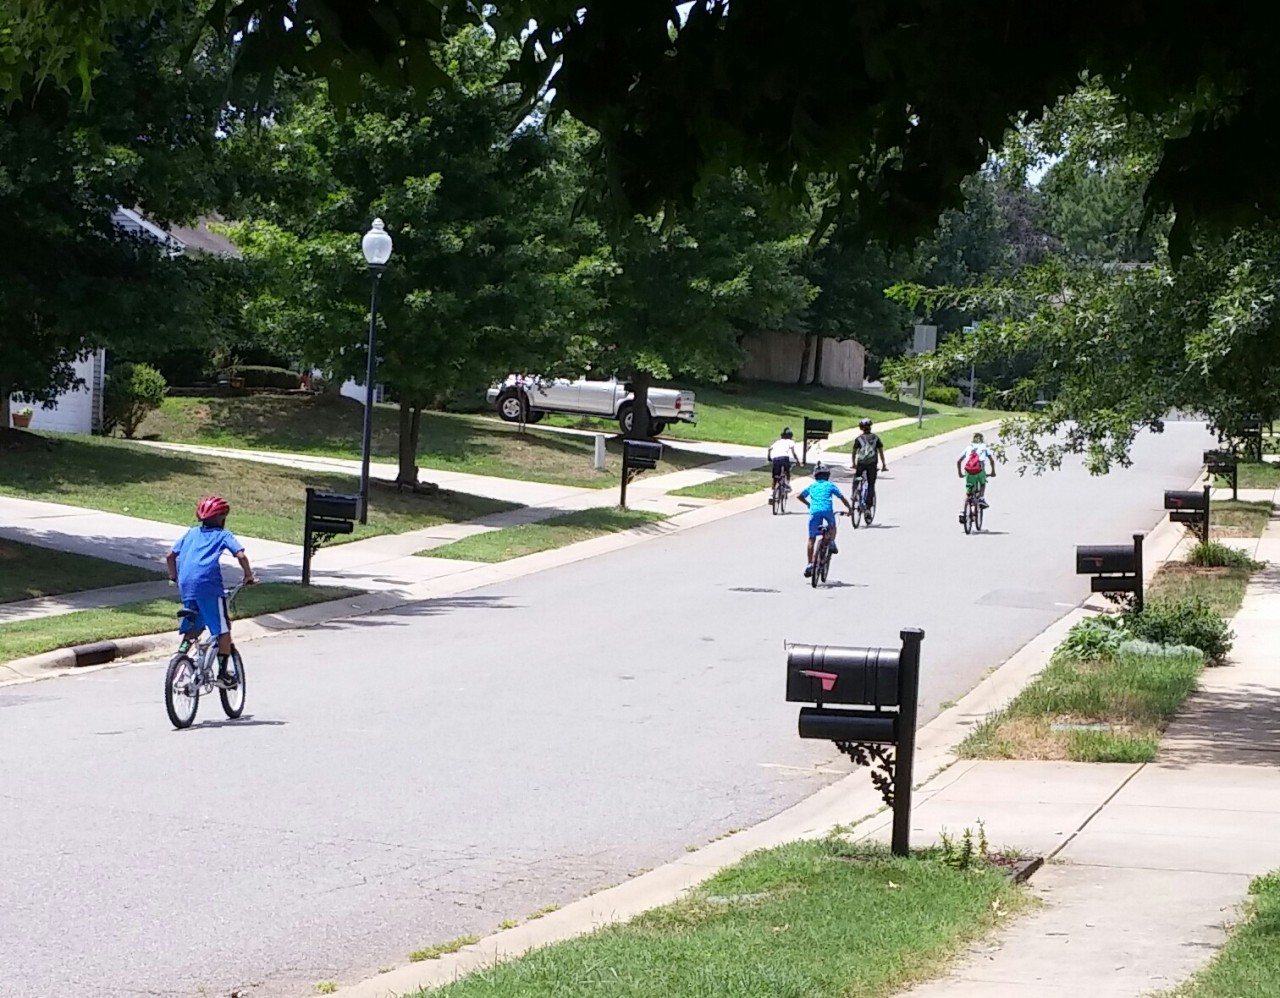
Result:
[
  {"x": 862, "y": 510},
  {"x": 187, "y": 678},
  {"x": 972, "y": 508},
  {"x": 821, "y": 556},
  {"x": 778, "y": 498}
]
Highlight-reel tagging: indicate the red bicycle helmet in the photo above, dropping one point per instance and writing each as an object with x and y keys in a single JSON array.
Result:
[{"x": 211, "y": 507}]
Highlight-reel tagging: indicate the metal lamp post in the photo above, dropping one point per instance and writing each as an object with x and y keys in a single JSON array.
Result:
[{"x": 377, "y": 251}]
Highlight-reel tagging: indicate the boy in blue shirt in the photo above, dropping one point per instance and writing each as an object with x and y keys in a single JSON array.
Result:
[
  {"x": 821, "y": 510},
  {"x": 193, "y": 565}
]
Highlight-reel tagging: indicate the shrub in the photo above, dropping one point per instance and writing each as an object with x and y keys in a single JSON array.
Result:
[
  {"x": 1187, "y": 621},
  {"x": 258, "y": 376},
  {"x": 1218, "y": 555},
  {"x": 944, "y": 394},
  {"x": 1093, "y": 639},
  {"x": 132, "y": 392}
]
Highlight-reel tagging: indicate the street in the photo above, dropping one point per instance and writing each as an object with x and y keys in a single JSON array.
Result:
[{"x": 407, "y": 778}]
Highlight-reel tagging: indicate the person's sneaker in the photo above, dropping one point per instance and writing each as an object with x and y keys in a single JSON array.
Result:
[
  {"x": 962, "y": 519},
  {"x": 982, "y": 503},
  {"x": 808, "y": 571},
  {"x": 227, "y": 675},
  {"x": 834, "y": 549}
]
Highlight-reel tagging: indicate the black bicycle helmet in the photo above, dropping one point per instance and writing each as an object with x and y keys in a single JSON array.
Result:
[
  {"x": 786, "y": 433},
  {"x": 821, "y": 471},
  {"x": 864, "y": 423}
]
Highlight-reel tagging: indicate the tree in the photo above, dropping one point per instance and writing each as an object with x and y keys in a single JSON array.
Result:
[
  {"x": 481, "y": 282},
  {"x": 676, "y": 293},
  {"x": 682, "y": 92},
  {"x": 133, "y": 391},
  {"x": 72, "y": 281}
]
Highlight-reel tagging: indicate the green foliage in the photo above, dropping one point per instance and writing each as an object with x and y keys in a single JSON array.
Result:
[
  {"x": 1217, "y": 555},
  {"x": 262, "y": 376},
  {"x": 945, "y": 394},
  {"x": 971, "y": 850},
  {"x": 132, "y": 391},
  {"x": 1092, "y": 639},
  {"x": 1186, "y": 621}
]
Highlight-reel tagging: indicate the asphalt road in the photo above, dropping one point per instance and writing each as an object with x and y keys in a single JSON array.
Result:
[{"x": 412, "y": 777}]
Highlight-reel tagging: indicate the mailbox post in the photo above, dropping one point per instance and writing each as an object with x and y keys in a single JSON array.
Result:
[
  {"x": 1190, "y": 508},
  {"x": 878, "y": 690},
  {"x": 327, "y": 514},
  {"x": 1223, "y": 462},
  {"x": 637, "y": 456},
  {"x": 814, "y": 429},
  {"x": 1116, "y": 568}
]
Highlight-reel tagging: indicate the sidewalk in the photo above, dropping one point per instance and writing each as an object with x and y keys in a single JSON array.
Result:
[{"x": 1148, "y": 863}]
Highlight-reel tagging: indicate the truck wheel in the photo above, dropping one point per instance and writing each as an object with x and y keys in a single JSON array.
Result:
[
  {"x": 512, "y": 407},
  {"x": 625, "y": 416},
  {"x": 535, "y": 416},
  {"x": 656, "y": 426}
]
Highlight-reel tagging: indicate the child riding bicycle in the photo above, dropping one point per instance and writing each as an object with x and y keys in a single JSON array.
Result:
[
  {"x": 193, "y": 565},
  {"x": 972, "y": 467},
  {"x": 782, "y": 455},
  {"x": 822, "y": 512},
  {"x": 866, "y": 449}
]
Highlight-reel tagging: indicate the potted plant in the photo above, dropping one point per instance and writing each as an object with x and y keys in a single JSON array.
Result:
[{"x": 22, "y": 418}]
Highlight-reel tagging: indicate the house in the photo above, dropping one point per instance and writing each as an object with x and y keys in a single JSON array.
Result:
[{"x": 80, "y": 409}]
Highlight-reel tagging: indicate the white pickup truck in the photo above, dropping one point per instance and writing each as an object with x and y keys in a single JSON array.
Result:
[{"x": 529, "y": 399}]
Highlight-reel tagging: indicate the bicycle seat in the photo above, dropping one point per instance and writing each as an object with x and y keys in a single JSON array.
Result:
[{"x": 186, "y": 614}]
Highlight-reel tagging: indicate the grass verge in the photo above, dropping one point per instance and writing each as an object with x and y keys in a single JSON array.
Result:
[
  {"x": 1090, "y": 711},
  {"x": 28, "y": 572},
  {"x": 129, "y": 620},
  {"x": 813, "y": 919},
  {"x": 1252, "y": 475},
  {"x": 1222, "y": 588},
  {"x": 731, "y": 486},
  {"x": 440, "y": 949},
  {"x": 267, "y": 500},
  {"x": 331, "y": 427},
  {"x": 1250, "y": 962},
  {"x": 530, "y": 538},
  {"x": 934, "y": 425},
  {"x": 1238, "y": 518}
]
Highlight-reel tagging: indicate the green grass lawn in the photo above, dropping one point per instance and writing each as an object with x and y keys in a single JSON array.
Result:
[
  {"x": 27, "y": 572},
  {"x": 530, "y": 538},
  {"x": 1251, "y": 475},
  {"x": 301, "y": 424},
  {"x": 805, "y": 920},
  {"x": 267, "y": 500},
  {"x": 1231, "y": 518},
  {"x": 1131, "y": 697},
  {"x": 1222, "y": 588},
  {"x": 731, "y": 486},
  {"x": 31, "y": 637},
  {"x": 1250, "y": 962},
  {"x": 753, "y": 413}
]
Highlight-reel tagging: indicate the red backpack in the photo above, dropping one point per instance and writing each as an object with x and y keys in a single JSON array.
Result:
[{"x": 973, "y": 463}]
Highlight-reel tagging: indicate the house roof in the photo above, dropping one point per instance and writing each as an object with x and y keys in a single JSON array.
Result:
[{"x": 198, "y": 238}]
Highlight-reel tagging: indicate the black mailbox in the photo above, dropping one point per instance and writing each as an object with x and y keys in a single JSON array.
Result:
[
  {"x": 643, "y": 455},
  {"x": 637, "y": 456},
  {"x": 327, "y": 514},
  {"x": 1223, "y": 462},
  {"x": 1190, "y": 507},
  {"x": 332, "y": 505},
  {"x": 875, "y": 725},
  {"x": 1116, "y": 568},
  {"x": 1179, "y": 500},
  {"x": 814, "y": 429}
]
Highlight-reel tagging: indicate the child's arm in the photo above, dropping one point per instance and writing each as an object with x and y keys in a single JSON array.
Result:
[
  {"x": 171, "y": 561},
  {"x": 244, "y": 565}
]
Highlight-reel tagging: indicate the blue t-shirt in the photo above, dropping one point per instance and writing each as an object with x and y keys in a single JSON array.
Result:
[
  {"x": 198, "y": 551},
  {"x": 819, "y": 495}
]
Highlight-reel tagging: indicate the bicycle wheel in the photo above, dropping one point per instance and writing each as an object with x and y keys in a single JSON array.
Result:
[
  {"x": 977, "y": 514},
  {"x": 181, "y": 691},
  {"x": 782, "y": 498},
  {"x": 826, "y": 562},
  {"x": 233, "y": 700},
  {"x": 968, "y": 516},
  {"x": 773, "y": 499},
  {"x": 869, "y": 513},
  {"x": 819, "y": 549}
]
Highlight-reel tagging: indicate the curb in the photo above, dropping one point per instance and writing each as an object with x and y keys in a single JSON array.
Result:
[{"x": 64, "y": 660}]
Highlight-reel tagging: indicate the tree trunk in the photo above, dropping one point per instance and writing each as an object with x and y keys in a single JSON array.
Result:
[
  {"x": 805, "y": 357},
  {"x": 640, "y": 382},
  {"x": 817, "y": 361},
  {"x": 4, "y": 408},
  {"x": 410, "y": 416}
]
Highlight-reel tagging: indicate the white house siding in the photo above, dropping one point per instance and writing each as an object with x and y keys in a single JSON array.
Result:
[{"x": 78, "y": 411}]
